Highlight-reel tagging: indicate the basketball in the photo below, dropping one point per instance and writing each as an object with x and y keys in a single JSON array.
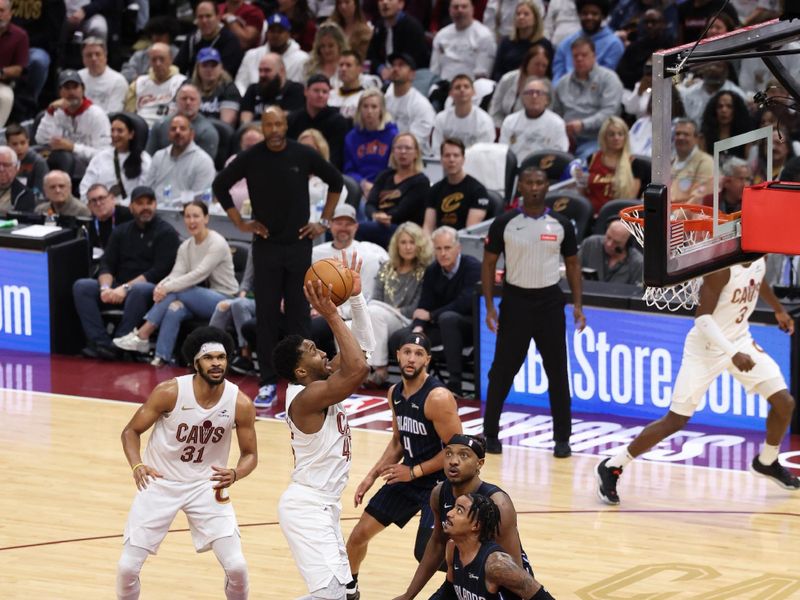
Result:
[{"x": 331, "y": 272}]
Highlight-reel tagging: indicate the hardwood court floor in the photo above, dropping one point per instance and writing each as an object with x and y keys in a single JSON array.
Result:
[{"x": 681, "y": 532}]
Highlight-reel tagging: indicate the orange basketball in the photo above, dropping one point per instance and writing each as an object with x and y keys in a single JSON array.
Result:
[{"x": 331, "y": 271}]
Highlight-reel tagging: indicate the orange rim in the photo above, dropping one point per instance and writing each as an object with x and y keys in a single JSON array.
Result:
[{"x": 631, "y": 215}]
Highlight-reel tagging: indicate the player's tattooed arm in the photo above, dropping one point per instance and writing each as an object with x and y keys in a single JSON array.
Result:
[{"x": 502, "y": 571}]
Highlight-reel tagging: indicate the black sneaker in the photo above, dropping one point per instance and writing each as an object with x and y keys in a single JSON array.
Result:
[
  {"x": 353, "y": 593},
  {"x": 562, "y": 450},
  {"x": 243, "y": 366},
  {"x": 493, "y": 446},
  {"x": 777, "y": 473},
  {"x": 607, "y": 482}
]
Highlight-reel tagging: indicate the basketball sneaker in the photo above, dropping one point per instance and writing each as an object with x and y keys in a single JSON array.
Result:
[
  {"x": 607, "y": 482},
  {"x": 777, "y": 473},
  {"x": 352, "y": 592},
  {"x": 266, "y": 396}
]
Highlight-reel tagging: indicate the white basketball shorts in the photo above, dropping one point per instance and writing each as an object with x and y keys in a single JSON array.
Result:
[
  {"x": 310, "y": 524},
  {"x": 210, "y": 513},
  {"x": 701, "y": 365}
]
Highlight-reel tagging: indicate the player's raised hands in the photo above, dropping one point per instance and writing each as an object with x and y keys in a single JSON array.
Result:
[
  {"x": 142, "y": 475},
  {"x": 225, "y": 477},
  {"x": 354, "y": 264},
  {"x": 319, "y": 297}
]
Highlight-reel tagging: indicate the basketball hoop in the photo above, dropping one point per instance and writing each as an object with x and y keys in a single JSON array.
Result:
[{"x": 690, "y": 224}]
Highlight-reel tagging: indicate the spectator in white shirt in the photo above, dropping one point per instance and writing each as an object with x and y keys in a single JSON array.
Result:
[
  {"x": 498, "y": 15},
  {"x": 182, "y": 169},
  {"x": 279, "y": 41},
  {"x": 152, "y": 96},
  {"x": 463, "y": 120},
  {"x": 464, "y": 46},
  {"x": 410, "y": 109},
  {"x": 535, "y": 127},
  {"x": 120, "y": 168},
  {"x": 73, "y": 127},
  {"x": 104, "y": 86}
]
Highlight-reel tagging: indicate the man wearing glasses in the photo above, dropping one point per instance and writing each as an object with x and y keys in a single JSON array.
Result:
[
  {"x": 535, "y": 127},
  {"x": 106, "y": 215},
  {"x": 13, "y": 193}
]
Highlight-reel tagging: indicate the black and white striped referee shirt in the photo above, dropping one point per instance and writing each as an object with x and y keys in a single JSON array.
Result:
[{"x": 532, "y": 246}]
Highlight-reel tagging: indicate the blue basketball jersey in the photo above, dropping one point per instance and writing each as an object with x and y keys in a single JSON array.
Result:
[
  {"x": 418, "y": 435},
  {"x": 469, "y": 581},
  {"x": 446, "y": 503}
]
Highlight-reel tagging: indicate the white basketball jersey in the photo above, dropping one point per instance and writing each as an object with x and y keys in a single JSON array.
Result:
[
  {"x": 738, "y": 299},
  {"x": 187, "y": 441},
  {"x": 322, "y": 459}
]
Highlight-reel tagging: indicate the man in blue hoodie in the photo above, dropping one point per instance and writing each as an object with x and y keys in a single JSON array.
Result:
[{"x": 608, "y": 47}]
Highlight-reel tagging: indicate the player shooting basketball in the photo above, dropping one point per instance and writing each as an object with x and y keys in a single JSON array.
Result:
[
  {"x": 720, "y": 340},
  {"x": 309, "y": 509},
  {"x": 183, "y": 466}
]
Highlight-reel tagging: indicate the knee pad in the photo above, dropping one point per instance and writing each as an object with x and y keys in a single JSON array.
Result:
[{"x": 128, "y": 569}]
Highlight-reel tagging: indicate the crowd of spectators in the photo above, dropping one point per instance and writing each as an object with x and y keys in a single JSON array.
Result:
[{"x": 108, "y": 110}]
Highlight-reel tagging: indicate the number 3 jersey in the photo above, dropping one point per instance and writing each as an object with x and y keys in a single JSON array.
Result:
[{"x": 187, "y": 441}]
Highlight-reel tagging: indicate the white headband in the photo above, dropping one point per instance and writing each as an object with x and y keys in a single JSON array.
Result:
[{"x": 208, "y": 348}]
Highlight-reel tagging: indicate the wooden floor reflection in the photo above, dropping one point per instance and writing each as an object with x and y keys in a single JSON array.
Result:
[{"x": 681, "y": 532}]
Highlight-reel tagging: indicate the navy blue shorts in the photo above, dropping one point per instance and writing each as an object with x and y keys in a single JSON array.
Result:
[{"x": 398, "y": 502}]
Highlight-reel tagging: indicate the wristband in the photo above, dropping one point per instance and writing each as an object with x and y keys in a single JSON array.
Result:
[
  {"x": 411, "y": 468},
  {"x": 136, "y": 466},
  {"x": 103, "y": 288},
  {"x": 235, "y": 477}
]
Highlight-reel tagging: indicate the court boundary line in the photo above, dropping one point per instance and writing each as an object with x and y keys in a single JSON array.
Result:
[
  {"x": 272, "y": 419},
  {"x": 646, "y": 511}
]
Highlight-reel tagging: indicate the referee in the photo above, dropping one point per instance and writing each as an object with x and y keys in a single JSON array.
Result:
[
  {"x": 532, "y": 239},
  {"x": 277, "y": 174}
]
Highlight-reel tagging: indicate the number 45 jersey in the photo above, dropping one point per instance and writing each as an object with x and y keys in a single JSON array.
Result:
[{"x": 187, "y": 441}]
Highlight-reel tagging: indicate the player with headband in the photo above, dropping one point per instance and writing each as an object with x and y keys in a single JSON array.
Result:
[{"x": 184, "y": 466}]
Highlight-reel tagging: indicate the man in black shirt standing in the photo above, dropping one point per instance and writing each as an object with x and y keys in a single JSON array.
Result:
[
  {"x": 277, "y": 173},
  {"x": 139, "y": 254},
  {"x": 459, "y": 200},
  {"x": 318, "y": 115},
  {"x": 533, "y": 238}
]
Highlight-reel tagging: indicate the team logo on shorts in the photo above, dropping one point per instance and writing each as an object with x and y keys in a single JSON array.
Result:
[{"x": 222, "y": 496}]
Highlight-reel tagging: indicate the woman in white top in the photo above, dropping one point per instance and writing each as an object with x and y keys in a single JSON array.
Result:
[
  {"x": 123, "y": 166},
  {"x": 203, "y": 260}
]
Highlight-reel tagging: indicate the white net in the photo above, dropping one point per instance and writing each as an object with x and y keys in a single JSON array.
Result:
[{"x": 686, "y": 294}]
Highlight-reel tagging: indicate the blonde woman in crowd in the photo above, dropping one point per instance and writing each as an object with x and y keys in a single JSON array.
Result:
[
  {"x": 398, "y": 286},
  {"x": 528, "y": 30},
  {"x": 329, "y": 44}
]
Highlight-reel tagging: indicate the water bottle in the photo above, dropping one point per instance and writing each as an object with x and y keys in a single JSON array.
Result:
[
  {"x": 247, "y": 208},
  {"x": 167, "y": 193},
  {"x": 207, "y": 196},
  {"x": 578, "y": 171}
]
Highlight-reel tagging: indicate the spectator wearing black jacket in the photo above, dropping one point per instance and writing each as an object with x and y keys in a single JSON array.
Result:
[
  {"x": 408, "y": 37},
  {"x": 316, "y": 114},
  {"x": 13, "y": 193},
  {"x": 444, "y": 312},
  {"x": 139, "y": 254},
  {"x": 209, "y": 33}
]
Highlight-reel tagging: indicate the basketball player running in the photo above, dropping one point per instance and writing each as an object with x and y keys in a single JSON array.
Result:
[
  {"x": 464, "y": 456},
  {"x": 424, "y": 413},
  {"x": 477, "y": 567},
  {"x": 720, "y": 340},
  {"x": 310, "y": 508},
  {"x": 183, "y": 467}
]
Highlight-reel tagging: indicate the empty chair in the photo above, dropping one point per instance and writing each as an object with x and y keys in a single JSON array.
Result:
[
  {"x": 574, "y": 206},
  {"x": 610, "y": 212},
  {"x": 494, "y": 165},
  {"x": 552, "y": 162},
  {"x": 496, "y": 206}
]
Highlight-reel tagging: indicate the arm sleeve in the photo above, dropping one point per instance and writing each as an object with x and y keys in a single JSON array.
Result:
[
  {"x": 233, "y": 172},
  {"x": 708, "y": 327},
  {"x": 362, "y": 324}
]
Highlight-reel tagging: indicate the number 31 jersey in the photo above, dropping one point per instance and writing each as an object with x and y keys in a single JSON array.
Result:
[{"x": 187, "y": 441}]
